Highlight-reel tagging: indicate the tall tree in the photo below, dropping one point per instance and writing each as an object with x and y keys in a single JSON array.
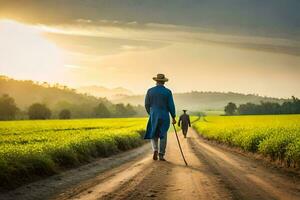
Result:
[
  {"x": 102, "y": 111},
  {"x": 39, "y": 111},
  {"x": 230, "y": 108},
  {"x": 121, "y": 110},
  {"x": 130, "y": 110},
  {"x": 249, "y": 109},
  {"x": 8, "y": 108},
  {"x": 291, "y": 106},
  {"x": 65, "y": 114}
]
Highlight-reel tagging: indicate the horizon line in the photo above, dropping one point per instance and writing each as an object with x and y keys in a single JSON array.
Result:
[{"x": 137, "y": 94}]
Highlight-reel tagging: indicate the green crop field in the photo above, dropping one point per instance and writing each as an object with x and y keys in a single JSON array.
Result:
[
  {"x": 30, "y": 149},
  {"x": 275, "y": 136}
]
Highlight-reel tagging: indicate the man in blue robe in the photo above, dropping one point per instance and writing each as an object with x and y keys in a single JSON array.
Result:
[{"x": 159, "y": 104}]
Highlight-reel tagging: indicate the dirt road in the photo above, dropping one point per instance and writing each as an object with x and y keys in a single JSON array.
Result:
[{"x": 213, "y": 173}]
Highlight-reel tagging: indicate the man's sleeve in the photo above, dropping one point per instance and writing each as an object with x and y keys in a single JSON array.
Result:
[
  {"x": 189, "y": 121},
  {"x": 171, "y": 105},
  {"x": 147, "y": 103}
]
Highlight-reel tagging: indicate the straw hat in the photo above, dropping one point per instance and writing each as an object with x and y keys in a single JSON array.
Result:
[{"x": 160, "y": 77}]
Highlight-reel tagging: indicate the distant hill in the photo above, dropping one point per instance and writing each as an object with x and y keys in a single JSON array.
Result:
[
  {"x": 100, "y": 91},
  {"x": 203, "y": 101},
  {"x": 56, "y": 97}
]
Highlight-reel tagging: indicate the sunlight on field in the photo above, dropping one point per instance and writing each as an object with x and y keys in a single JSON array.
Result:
[
  {"x": 276, "y": 136},
  {"x": 43, "y": 147}
]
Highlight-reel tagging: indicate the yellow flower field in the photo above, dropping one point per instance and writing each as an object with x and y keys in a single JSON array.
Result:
[
  {"x": 275, "y": 136},
  {"x": 41, "y": 148}
]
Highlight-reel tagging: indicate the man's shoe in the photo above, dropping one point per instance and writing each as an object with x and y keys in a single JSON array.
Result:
[
  {"x": 162, "y": 159},
  {"x": 155, "y": 153}
]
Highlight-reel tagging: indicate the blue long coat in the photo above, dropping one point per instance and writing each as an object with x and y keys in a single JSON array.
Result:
[{"x": 159, "y": 103}]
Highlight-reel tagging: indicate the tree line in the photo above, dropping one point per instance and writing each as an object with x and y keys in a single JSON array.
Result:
[
  {"x": 291, "y": 106},
  {"x": 10, "y": 111}
]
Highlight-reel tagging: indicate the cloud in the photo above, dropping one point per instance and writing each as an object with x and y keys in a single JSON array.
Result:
[
  {"x": 171, "y": 33},
  {"x": 132, "y": 23},
  {"x": 133, "y": 48},
  {"x": 84, "y": 20},
  {"x": 254, "y": 17},
  {"x": 154, "y": 35}
]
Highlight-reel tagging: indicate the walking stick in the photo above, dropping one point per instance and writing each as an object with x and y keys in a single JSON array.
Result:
[{"x": 179, "y": 146}]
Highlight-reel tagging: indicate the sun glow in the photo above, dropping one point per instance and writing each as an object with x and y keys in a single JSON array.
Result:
[{"x": 25, "y": 53}]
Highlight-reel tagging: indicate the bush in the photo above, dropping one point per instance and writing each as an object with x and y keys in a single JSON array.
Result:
[
  {"x": 8, "y": 108},
  {"x": 39, "y": 111},
  {"x": 65, "y": 114}
]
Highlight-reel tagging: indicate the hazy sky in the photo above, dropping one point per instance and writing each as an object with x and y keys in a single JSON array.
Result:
[{"x": 247, "y": 46}]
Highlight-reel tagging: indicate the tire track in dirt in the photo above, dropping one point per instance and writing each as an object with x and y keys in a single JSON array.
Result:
[
  {"x": 213, "y": 173},
  {"x": 172, "y": 179}
]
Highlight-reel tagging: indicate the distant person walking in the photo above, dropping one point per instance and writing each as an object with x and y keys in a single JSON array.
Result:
[
  {"x": 184, "y": 122},
  {"x": 159, "y": 103}
]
